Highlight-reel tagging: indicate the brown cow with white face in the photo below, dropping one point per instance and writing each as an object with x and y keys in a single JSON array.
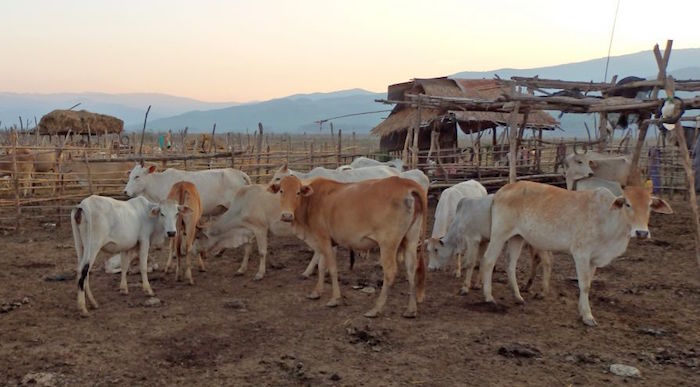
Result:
[
  {"x": 390, "y": 213},
  {"x": 593, "y": 226},
  {"x": 185, "y": 194}
]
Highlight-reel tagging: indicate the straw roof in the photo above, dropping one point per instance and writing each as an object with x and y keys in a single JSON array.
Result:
[
  {"x": 61, "y": 121},
  {"x": 403, "y": 117}
]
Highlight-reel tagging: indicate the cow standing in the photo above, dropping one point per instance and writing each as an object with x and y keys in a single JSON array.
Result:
[
  {"x": 253, "y": 213},
  {"x": 363, "y": 162},
  {"x": 344, "y": 176},
  {"x": 325, "y": 213},
  {"x": 445, "y": 212},
  {"x": 104, "y": 224},
  {"x": 589, "y": 164},
  {"x": 185, "y": 194},
  {"x": 593, "y": 226}
]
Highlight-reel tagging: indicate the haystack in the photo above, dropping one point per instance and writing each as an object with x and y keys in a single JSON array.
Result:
[{"x": 61, "y": 121}]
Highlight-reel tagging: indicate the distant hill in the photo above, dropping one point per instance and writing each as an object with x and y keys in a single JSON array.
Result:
[
  {"x": 130, "y": 107},
  {"x": 291, "y": 114}
]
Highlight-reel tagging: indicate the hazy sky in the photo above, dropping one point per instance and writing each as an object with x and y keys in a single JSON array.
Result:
[{"x": 254, "y": 50}]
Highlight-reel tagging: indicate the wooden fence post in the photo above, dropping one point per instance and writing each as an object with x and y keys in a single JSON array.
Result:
[
  {"x": 513, "y": 142},
  {"x": 340, "y": 147},
  {"x": 258, "y": 154},
  {"x": 16, "y": 181},
  {"x": 89, "y": 174}
]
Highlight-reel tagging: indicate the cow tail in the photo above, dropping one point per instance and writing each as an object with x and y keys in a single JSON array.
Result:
[
  {"x": 421, "y": 209},
  {"x": 80, "y": 223}
]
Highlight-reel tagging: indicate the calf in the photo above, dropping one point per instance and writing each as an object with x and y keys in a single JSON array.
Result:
[
  {"x": 445, "y": 212},
  {"x": 253, "y": 212},
  {"x": 582, "y": 165},
  {"x": 593, "y": 226},
  {"x": 185, "y": 194},
  {"x": 470, "y": 230},
  {"x": 104, "y": 224},
  {"x": 390, "y": 213}
]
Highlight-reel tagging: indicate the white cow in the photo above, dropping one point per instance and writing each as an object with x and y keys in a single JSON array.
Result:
[
  {"x": 216, "y": 187},
  {"x": 604, "y": 166},
  {"x": 470, "y": 231},
  {"x": 445, "y": 212},
  {"x": 363, "y": 162},
  {"x": 418, "y": 176},
  {"x": 347, "y": 176},
  {"x": 592, "y": 183},
  {"x": 253, "y": 212},
  {"x": 593, "y": 226},
  {"x": 104, "y": 224}
]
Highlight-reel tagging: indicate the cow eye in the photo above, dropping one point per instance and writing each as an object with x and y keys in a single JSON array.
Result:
[
  {"x": 281, "y": 192},
  {"x": 136, "y": 177},
  {"x": 627, "y": 205},
  {"x": 162, "y": 214},
  {"x": 298, "y": 193}
]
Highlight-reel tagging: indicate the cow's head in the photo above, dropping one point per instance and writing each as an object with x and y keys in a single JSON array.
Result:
[
  {"x": 280, "y": 174},
  {"x": 136, "y": 183},
  {"x": 578, "y": 166},
  {"x": 292, "y": 192},
  {"x": 167, "y": 212},
  {"x": 635, "y": 204},
  {"x": 439, "y": 253}
]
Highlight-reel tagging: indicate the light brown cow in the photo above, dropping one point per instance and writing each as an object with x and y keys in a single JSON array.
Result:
[
  {"x": 390, "y": 213},
  {"x": 186, "y": 195},
  {"x": 25, "y": 169},
  {"x": 593, "y": 226}
]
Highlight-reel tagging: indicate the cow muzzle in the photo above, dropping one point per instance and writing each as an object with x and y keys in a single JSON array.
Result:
[
  {"x": 171, "y": 234},
  {"x": 641, "y": 234},
  {"x": 287, "y": 217}
]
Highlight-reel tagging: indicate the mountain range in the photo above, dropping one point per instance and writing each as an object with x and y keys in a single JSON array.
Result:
[{"x": 300, "y": 112}]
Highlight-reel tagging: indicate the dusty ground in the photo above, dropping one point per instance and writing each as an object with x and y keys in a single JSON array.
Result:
[{"x": 230, "y": 330}]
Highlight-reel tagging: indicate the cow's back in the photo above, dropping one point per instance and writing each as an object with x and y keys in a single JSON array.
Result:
[{"x": 449, "y": 199}]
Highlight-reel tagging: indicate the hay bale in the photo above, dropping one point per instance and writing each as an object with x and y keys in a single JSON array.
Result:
[{"x": 59, "y": 122}]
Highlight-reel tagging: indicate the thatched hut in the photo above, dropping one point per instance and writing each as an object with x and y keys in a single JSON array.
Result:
[
  {"x": 59, "y": 122},
  {"x": 394, "y": 128}
]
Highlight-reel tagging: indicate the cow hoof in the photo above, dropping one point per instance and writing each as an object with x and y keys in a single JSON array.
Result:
[
  {"x": 124, "y": 291},
  {"x": 191, "y": 282},
  {"x": 313, "y": 296},
  {"x": 149, "y": 292},
  {"x": 519, "y": 301},
  {"x": 305, "y": 276},
  {"x": 458, "y": 274},
  {"x": 590, "y": 321},
  {"x": 239, "y": 273},
  {"x": 258, "y": 277},
  {"x": 410, "y": 314},
  {"x": 371, "y": 314},
  {"x": 332, "y": 303},
  {"x": 84, "y": 314},
  {"x": 464, "y": 291}
]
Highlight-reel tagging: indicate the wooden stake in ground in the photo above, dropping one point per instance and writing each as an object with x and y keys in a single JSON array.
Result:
[
  {"x": 513, "y": 142},
  {"x": 340, "y": 148},
  {"x": 16, "y": 181},
  {"x": 258, "y": 150}
]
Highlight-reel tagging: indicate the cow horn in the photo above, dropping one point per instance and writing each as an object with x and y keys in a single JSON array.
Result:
[
  {"x": 142, "y": 163},
  {"x": 575, "y": 151}
]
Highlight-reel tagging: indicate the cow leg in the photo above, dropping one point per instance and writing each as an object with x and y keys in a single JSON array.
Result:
[
  {"x": 247, "y": 249},
  {"x": 143, "y": 266},
  {"x": 458, "y": 270},
  {"x": 410, "y": 256},
  {"x": 125, "y": 261},
  {"x": 332, "y": 264},
  {"x": 535, "y": 259},
  {"x": 387, "y": 258},
  {"x": 473, "y": 247},
  {"x": 546, "y": 258},
  {"x": 318, "y": 290},
  {"x": 88, "y": 291},
  {"x": 84, "y": 266},
  {"x": 170, "y": 257},
  {"x": 261, "y": 239},
  {"x": 515, "y": 246},
  {"x": 488, "y": 262},
  {"x": 200, "y": 260},
  {"x": 585, "y": 277},
  {"x": 188, "y": 270},
  {"x": 312, "y": 265}
]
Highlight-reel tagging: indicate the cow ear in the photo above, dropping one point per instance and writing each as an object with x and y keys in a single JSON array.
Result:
[
  {"x": 283, "y": 168},
  {"x": 151, "y": 169},
  {"x": 184, "y": 209},
  {"x": 660, "y": 206},
  {"x": 618, "y": 203},
  {"x": 306, "y": 190},
  {"x": 273, "y": 188},
  {"x": 441, "y": 242},
  {"x": 155, "y": 210}
]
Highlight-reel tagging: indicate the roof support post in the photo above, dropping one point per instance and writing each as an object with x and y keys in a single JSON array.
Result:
[{"x": 513, "y": 142}]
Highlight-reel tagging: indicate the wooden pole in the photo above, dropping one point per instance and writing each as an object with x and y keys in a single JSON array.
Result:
[
  {"x": 662, "y": 63},
  {"x": 688, "y": 167},
  {"x": 332, "y": 134},
  {"x": 311, "y": 154},
  {"x": 143, "y": 131},
  {"x": 416, "y": 135},
  {"x": 340, "y": 147},
  {"x": 513, "y": 132},
  {"x": 184, "y": 145},
  {"x": 15, "y": 175},
  {"x": 258, "y": 150},
  {"x": 89, "y": 175},
  {"x": 211, "y": 143}
]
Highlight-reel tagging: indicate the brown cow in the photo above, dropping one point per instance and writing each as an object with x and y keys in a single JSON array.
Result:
[
  {"x": 390, "y": 213},
  {"x": 186, "y": 195}
]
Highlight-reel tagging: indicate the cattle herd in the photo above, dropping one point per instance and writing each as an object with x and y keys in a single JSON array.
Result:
[{"x": 365, "y": 206}]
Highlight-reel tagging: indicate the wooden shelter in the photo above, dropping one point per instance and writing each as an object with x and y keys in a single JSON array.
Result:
[
  {"x": 60, "y": 122},
  {"x": 443, "y": 119}
]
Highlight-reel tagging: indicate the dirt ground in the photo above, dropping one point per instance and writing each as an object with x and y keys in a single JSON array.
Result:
[{"x": 229, "y": 330}]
